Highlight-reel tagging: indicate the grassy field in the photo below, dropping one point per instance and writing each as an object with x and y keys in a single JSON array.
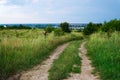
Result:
[
  {"x": 105, "y": 54},
  {"x": 22, "y": 49},
  {"x": 68, "y": 61}
]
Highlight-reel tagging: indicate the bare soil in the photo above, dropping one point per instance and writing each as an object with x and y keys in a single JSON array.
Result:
[
  {"x": 86, "y": 67},
  {"x": 40, "y": 72}
]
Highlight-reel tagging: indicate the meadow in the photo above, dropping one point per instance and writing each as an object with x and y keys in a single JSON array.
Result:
[
  {"x": 23, "y": 49},
  {"x": 104, "y": 52}
]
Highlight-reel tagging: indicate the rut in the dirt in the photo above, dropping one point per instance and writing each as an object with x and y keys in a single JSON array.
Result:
[
  {"x": 40, "y": 72},
  {"x": 86, "y": 68}
]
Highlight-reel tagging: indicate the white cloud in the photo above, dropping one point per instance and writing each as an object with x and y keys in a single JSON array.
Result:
[
  {"x": 13, "y": 14},
  {"x": 26, "y": 11},
  {"x": 2, "y": 2},
  {"x": 35, "y": 1}
]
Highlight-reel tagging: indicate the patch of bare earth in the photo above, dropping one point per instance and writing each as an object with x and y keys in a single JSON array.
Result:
[
  {"x": 40, "y": 72},
  {"x": 86, "y": 68}
]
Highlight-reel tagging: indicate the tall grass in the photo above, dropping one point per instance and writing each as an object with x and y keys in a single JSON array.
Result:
[
  {"x": 67, "y": 62},
  {"x": 22, "y": 49},
  {"x": 105, "y": 54}
]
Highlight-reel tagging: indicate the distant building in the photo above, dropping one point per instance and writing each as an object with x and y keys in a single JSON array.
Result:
[
  {"x": 5, "y": 26},
  {"x": 77, "y": 26}
]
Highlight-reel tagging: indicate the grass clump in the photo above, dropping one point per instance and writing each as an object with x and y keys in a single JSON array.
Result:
[
  {"x": 105, "y": 55},
  {"x": 67, "y": 62}
]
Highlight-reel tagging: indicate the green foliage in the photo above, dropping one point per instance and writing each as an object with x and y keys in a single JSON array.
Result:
[
  {"x": 67, "y": 62},
  {"x": 113, "y": 25},
  {"x": 109, "y": 27},
  {"x": 15, "y": 27},
  {"x": 65, "y": 27},
  {"x": 22, "y": 49},
  {"x": 58, "y": 32},
  {"x": 49, "y": 29},
  {"x": 1, "y": 27},
  {"x": 91, "y": 28},
  {"x": 105, "y": 55}
]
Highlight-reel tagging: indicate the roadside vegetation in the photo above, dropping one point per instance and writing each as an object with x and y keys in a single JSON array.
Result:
[
  {"x": 103, "y": 47},
  {"x": 22, "y": 49},
  {"x": 68, "y": 61},
  {"x": 105, "y": 54}
]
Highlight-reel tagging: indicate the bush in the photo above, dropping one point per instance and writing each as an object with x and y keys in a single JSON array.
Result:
[
  {"x": 58, "y": 32},
  {"x": 49, "y": 29}
]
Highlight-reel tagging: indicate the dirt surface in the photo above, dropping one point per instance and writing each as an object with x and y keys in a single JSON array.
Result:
[
  {"x": 40, "y": 72},
  {"x": 86, "y": 68}
]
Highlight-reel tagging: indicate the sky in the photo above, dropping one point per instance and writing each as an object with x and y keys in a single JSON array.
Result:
[{"x": 57, "y": 11}]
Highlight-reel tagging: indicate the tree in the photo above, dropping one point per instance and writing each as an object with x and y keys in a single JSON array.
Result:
[
  {"x": 113, "y": 25},
  {"x": 49, "y": 29},
  {"x": 65, "y": 27},
  {"x": 23, "y": 27},
  {"x": 91, "y": 28}
]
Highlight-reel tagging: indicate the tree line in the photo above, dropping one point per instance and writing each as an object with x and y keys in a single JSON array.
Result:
[
  {"x": 15, "y": 27},
  {"x": 110, "y": 26}
]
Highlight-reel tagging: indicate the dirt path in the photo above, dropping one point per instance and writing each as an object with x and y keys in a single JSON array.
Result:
[
  {"x": 86, "y": 68},
  {"x": 40, "y": 72}
]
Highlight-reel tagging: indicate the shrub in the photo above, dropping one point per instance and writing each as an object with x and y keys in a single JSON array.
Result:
[
  {"x": 58, "y": 32},
  {"x": 49, "y": 29}
]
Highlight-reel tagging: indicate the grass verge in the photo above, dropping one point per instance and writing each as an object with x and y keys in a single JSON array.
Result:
[
  {"x": 105, "y": 55},
  {"x": 68, "y": 61}
]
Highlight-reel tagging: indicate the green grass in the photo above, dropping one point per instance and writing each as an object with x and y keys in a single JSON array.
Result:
[
  {"x": 105, "y": 55},
  {"x": 68, "y": 61},
  {"x": 22, "y": 49}
]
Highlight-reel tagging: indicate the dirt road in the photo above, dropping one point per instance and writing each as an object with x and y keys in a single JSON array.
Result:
[
  {"x": 86, "y": 68},
  {"x": 40, "y": 72}
]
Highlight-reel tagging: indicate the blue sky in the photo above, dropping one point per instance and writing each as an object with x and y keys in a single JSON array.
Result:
[{"x": 56, "y": 11}]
